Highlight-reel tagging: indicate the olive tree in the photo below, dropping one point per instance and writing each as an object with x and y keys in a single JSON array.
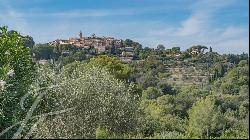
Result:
[{"x": 97, "y": 99}]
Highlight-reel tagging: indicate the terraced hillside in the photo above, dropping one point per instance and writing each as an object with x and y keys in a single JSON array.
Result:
[{"x": 184, "y": 73}]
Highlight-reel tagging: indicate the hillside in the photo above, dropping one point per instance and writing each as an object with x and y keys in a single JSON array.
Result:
[{"x": 70, "y": 91}]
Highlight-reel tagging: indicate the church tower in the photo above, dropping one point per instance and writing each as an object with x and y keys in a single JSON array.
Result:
[{"x": 80, "y": 34}]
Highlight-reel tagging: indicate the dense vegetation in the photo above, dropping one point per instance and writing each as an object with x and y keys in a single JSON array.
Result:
[{"x": 82, "y": 94}]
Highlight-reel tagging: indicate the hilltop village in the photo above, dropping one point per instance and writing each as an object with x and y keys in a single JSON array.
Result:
[
  {"x": 101, "y": 44},
  {"x": 126, "y": 49}
]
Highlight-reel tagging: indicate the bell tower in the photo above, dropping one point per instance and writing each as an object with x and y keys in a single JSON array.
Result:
[{"x": 80, "y": 34}]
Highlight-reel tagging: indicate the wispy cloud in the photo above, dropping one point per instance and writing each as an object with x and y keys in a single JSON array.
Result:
[
  {"x": 199, "y": 28},
  {"x": 202, "y": 14},
  {"x": 233, "y": 31},
  {"x": 80, "y": 13},
  {"x": 193, "y": 25},
  {"x": 12, "y": 18}
]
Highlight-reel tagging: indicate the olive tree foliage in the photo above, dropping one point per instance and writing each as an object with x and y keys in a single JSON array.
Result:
[{"x": 98, "y": 99}]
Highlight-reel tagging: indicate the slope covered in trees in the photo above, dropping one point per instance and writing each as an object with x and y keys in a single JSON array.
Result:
[{"x": 162, "y": 93}]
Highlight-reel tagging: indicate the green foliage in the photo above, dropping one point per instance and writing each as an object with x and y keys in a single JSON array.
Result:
[
  {"x": 169, "y": 135},
  {"x": 98, "y": 98},
  {"x": 103, "y": 97},
  {"x": 218, "y": 70},
  {"x": 17, "y": 71},
  {"x": 162, "y": 112},
  {"x": 28, "y": 41},
  {"x": 238, "y": 131},
  {"x": 78, "y": 56},
  {"x": 166, "y": 88},
  {"x": 175, "y": 49},
  {"x": 147, "y": 80},
  {"x": 235, "y": 59},
  {"x": 67, "y": 53},
  {"x": 43, "y": 51},
  {"x": 204, "y": 120},
  {"x": 115, "y": 66},
  {"x": 151, "y": 93},
  {"x": 160, "y": 47},
  {"x": 187, "y": 97},
  {"x": 101, "y": 133},
  {"x": 236, "y": 77}
]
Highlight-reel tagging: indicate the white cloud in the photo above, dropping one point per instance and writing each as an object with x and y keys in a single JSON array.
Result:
[
  {"x": 199, "y": 28},
  {"x": 13, "y": 19},
  {"x": 233, "y": 31},
  {"x": 193, "y": 25},
  {"x": 238, "y": 45},
  {"x": 202, "y": 14}
]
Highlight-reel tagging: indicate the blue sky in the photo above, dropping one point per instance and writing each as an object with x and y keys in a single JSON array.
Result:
[{"x": 221, "y": 24}]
